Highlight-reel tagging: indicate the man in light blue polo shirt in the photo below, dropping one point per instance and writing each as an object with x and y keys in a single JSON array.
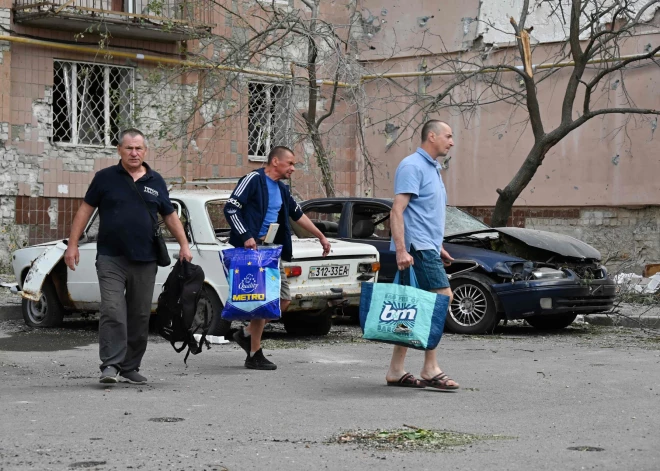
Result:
[{"x": 417, "y": 220}]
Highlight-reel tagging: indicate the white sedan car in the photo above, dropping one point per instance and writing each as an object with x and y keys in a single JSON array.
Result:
[{"x": 318, "y": 284}]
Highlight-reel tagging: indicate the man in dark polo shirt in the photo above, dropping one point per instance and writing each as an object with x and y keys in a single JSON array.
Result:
[{"x": 126, "y": 255}]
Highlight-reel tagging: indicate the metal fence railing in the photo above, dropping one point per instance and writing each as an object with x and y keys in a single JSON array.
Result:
[{"x": 196, "y": 13}]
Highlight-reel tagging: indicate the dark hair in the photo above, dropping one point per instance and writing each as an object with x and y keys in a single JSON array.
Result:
[
  {"x": 431, "y": 126},
  {"x": 277, "y": 151},
  {"x": 132, "y": 132}
]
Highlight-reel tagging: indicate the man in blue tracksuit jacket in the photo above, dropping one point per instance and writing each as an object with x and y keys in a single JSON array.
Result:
[{"x": 260, "y": 199}]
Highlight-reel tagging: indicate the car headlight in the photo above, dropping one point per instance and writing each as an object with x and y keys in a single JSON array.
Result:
[{"x": 545, "y": 273}]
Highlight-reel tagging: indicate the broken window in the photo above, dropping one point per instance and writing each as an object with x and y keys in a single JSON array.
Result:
[
  {"x": 268, "y": 118},
  {"x": 215, "y": 210},
  {"x": 91, "y": 103}
]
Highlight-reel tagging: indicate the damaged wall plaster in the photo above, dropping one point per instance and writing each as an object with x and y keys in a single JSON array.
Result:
[{"x": 495, "y": 28}]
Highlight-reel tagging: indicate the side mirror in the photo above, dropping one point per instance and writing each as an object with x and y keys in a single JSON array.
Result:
[{"x": 177, "y": 208}]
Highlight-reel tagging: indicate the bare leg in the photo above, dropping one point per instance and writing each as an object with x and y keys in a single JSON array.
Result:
[
  {"x": 396, "y": 370},
  {"x": 256, "y": 327},
  {"x": 431, "y": 367}
]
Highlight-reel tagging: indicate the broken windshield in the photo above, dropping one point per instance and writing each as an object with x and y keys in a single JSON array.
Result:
[{"x": 459, "y": 221}]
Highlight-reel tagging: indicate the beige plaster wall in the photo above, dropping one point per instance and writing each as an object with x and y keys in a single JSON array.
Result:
[{"x": 612, "y": 160}]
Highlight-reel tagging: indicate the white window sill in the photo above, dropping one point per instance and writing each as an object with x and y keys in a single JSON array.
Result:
[{"x": 91, "y": 146}]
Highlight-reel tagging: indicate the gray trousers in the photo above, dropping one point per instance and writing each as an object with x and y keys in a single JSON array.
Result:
[{"x": 126, "y": 291}]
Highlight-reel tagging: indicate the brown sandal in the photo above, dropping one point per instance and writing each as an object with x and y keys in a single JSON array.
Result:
[
  {"x": 407, "y": 381},
  {"x": 440, "y": 381}
]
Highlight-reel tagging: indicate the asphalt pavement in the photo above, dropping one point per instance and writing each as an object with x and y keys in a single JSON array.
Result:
[{"x": 584, "y": 398}]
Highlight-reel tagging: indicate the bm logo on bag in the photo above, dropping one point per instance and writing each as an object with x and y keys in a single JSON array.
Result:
[
  {"x": 249, "y": 284},
  {"x": 398, "y": 315}
]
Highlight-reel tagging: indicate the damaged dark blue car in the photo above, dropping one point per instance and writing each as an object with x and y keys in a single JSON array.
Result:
[{"x": 501, "y": 273}]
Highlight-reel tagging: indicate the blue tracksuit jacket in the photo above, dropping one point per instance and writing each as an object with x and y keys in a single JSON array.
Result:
[{"x": 245, "y": 211}]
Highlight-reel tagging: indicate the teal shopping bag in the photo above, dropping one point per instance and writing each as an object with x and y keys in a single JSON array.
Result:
[{"x": 402, "y": 315}]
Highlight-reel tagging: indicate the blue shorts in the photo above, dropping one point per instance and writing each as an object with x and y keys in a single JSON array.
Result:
[{"x": 429, "y": 270}]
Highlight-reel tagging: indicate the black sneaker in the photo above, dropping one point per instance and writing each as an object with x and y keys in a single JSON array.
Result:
[
  {"x": 133, "y": 377},
  {"x": 242, "y": 340},
  {"x": 109, "y": 375},
  {"x": 258, "y": 362}
]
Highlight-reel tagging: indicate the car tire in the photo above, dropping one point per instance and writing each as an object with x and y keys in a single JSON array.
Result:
[
  {"x": 296, "y": 323},
  {"x": 47, "y": 312},
  {"x": 554, "y": 322},
  {"x": 210, "y": 300},
  {"x": 472, "y": 310}
]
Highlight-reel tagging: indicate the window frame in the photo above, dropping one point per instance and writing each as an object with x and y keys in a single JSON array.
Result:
[
  {"x": 288, "y": 90},
  {"x": 370, "y": 205},
  {"x": 74, "y": 104}
]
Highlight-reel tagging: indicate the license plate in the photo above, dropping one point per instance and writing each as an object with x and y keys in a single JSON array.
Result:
[{"x": 328, "y": 271}]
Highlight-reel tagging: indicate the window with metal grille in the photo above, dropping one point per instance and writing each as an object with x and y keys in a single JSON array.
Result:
[
  {"x": 91, "y": 103},
  {"x": 269, "y": 120}
]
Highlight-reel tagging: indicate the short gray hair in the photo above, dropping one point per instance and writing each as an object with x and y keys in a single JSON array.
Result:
[{"x": 132, "y": 132}]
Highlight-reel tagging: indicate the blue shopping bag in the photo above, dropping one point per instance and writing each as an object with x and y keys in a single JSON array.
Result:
[
  {"x": 254, "y": 281},
  {"x": 402, "y": 315}
]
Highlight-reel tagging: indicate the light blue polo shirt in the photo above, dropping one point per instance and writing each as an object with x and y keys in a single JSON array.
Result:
[{"x": 424, "y": 217}]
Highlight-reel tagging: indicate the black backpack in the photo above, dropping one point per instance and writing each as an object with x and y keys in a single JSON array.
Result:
[{"x": 178, "y": 316}]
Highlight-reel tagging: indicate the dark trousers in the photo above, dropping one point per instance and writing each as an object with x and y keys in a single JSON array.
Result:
[{"x": 126, "y": 291}]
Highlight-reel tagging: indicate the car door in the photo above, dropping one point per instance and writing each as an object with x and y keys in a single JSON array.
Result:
[
  {"x": 369, "y": 222},
  {"x": 83, "y": 284}
]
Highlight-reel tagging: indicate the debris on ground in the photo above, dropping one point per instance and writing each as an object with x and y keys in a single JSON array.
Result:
[
  {"x": 633, "y": 283},
  {"x": 410, "y": 438}
]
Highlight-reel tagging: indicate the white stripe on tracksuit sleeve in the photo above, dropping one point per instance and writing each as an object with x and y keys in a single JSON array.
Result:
[{"x": 239, "y": 190}]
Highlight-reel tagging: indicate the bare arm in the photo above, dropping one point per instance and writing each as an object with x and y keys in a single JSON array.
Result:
[
  {"x": 176, "y": 228},
  {"x": 403, "y": 258},
  {"x": 308, "y": 225},
  {"x": 80, "y": 220}
]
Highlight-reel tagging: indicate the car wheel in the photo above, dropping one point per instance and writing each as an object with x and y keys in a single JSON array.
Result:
[
  {"x": 210, "y": 302},
  {"x": 47, "y": 312},
  {"x": 472, "y": 311},
  {"x": 296, "y": 323},
  {"x": 555, "y": 322}
]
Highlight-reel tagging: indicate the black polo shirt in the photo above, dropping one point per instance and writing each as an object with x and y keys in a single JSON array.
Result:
[{"x": 125, "y": 227}]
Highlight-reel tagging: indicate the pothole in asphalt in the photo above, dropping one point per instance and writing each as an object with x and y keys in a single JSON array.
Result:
[
  {"x": 410, "y": 438},
  {"x": 86, "y": 464},
  {"x": 585, "y": 448},
  {"x": 166, "y": 419}
]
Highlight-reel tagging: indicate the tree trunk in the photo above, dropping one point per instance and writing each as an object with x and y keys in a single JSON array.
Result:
[
  {"x": 512, "y": 191},
  {"x": 322, "y": 161}
]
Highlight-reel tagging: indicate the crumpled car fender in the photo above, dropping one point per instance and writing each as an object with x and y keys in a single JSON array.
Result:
[{"x": 40, "y": 269}]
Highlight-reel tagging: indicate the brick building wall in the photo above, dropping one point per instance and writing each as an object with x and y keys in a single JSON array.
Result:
[{"x": 42, "y": 183}]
